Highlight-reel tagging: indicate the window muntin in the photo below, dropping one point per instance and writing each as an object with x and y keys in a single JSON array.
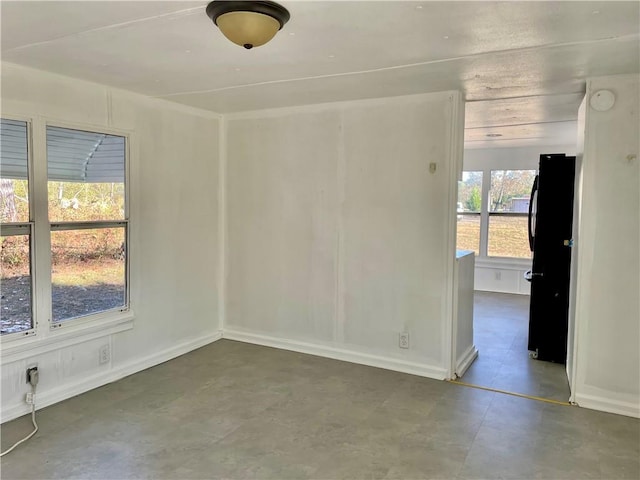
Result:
[
  {"x": 88, "y": 214},
  {"x": 16, "y": 230}
]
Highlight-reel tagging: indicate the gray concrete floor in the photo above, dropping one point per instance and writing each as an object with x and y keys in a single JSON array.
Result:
[
  {"x": 501, "y": 331},
  {"x": 239, "y": 411}
]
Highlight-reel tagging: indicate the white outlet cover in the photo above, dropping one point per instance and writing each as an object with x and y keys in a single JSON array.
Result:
[{"x": 104, "y": 354}]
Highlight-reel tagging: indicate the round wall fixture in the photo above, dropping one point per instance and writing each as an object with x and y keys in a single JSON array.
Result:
[
  {"x": 602, "y": 100},
  {"x": 248, "y": 23}
]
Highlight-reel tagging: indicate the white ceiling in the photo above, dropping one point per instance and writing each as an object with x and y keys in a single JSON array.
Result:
[{"x": 521, "y": 65}]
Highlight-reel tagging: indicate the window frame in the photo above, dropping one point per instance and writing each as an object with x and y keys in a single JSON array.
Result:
[
  {"x": 45, "y": 333},
  {"x": 83, "y": 225},
  {"x": 485, "y": 217},
  {"x": 16, "y": 228}
]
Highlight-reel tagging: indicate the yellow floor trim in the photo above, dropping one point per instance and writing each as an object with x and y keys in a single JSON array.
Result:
[{"x": 530, "y": 397}]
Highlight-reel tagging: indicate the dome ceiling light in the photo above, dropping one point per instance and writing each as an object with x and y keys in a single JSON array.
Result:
[{"x": 248, "y": 23}]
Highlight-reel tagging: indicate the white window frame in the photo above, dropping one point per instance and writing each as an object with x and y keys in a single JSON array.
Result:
[
  {"x": 45, "y": 334},
  {"x": 26, "y": 228},
  {"x": 483, "y": 258}
]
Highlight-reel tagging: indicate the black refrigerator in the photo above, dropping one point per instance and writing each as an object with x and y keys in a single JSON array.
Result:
[{"x": 550, "y": 226}]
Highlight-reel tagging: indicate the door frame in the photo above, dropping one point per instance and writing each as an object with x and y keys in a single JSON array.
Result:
[{"x": 454, "y": 173}]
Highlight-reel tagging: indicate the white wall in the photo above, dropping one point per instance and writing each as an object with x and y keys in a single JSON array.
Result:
[
  {"x": 607, "y": 303},
  {"x": 512, "y": 158},
  {"x": 339, "y": 238},
  {"x": 503, "y": 274},
  {"x": 174, "y": 237}
]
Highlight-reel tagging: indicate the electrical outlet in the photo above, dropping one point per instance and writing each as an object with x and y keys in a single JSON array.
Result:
[
  {"x": 30, "y": 398},
  {"x": 498, "y": 275},
  {"x": 32, "y": 374},
  {"x": 403, "y": 340},
  {"x": 104, "y": 354}
]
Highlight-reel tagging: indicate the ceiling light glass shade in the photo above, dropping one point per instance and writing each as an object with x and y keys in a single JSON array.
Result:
[
  {"x": 248, "y": 23},
  {"x": 248, "y": 28}
]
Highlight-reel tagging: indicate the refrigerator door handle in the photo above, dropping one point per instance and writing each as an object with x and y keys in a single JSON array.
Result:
[
  {"x": 528, "y": 275},
  {"x": 532, "y": 200}
]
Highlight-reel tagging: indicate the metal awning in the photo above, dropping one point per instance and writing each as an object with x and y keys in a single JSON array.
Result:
[{"x": 72, "y": 155}]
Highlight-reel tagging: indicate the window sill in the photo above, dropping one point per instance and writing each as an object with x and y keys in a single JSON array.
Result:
[{"x": 72, "y": 334}]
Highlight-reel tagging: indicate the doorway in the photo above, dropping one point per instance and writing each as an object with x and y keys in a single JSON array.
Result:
[{"x": 492, "y": 221}]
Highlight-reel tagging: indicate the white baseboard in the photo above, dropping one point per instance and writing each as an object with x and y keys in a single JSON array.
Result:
[
  {"x": 71, "y": 389},
  {"x": 466, "y": 359},
  {"x": 77, "y": 387},
  {"x": 388, "y": 363},
  {"x": 620, "y": 407}
]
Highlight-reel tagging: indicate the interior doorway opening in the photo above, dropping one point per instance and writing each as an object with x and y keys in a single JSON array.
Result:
[{"x": 493, "y": 221}]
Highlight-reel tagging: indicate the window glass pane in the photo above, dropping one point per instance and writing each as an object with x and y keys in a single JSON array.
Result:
[
  {"x": 14, "y": 187},
  {"x": 469, "y": 233},
  {"x": 15, "y": 284},
  {"x": 470, "y": 192},
  {"x": 510, "y": 190},
  {"x": 88, "y": 271},
  {"x": 86, "y": 175},
  {"x": 508, "y": 237}
]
